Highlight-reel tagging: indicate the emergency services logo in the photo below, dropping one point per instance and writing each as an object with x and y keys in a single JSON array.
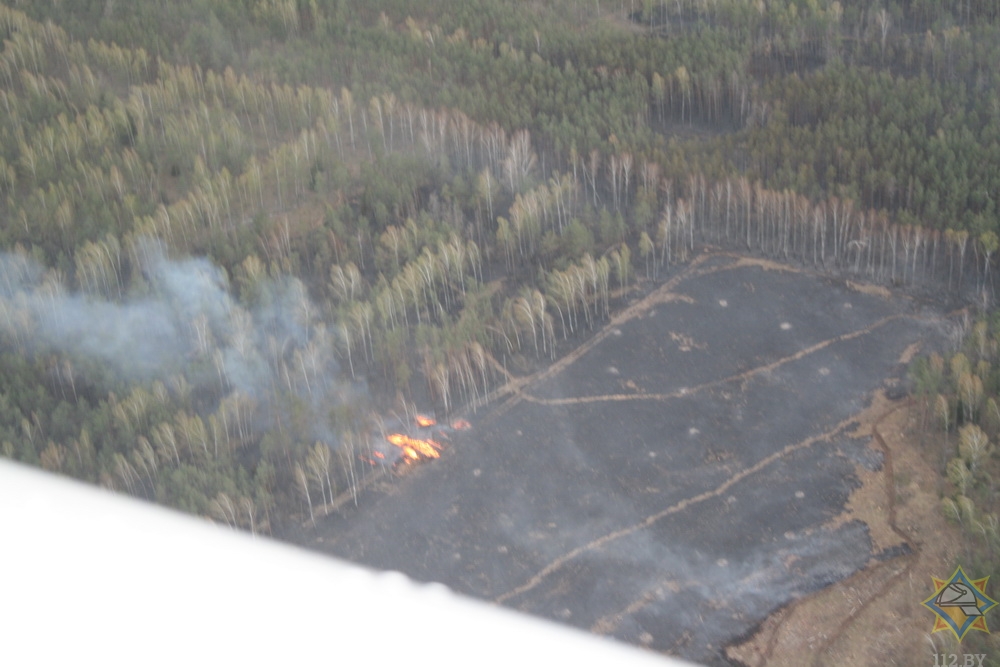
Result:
[{"x": 960, "y": 604}]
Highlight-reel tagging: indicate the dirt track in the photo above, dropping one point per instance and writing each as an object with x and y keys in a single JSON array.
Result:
[{"x": 677, "y": 478}]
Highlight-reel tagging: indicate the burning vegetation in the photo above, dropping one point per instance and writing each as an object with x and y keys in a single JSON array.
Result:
[{"x": 413, "y": 449}]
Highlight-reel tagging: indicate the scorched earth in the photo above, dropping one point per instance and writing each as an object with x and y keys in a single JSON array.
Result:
[{"x": 674, "y": 480}]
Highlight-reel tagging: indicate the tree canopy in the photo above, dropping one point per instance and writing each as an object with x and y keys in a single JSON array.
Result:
[{"x": 236, "y": 233}]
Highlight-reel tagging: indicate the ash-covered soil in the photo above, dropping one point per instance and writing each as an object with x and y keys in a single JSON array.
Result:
[{"x": 675, "y": 480}]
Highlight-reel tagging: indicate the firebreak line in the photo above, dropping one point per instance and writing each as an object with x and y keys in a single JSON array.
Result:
[
  {"x": 515, "y": 387},
  {"x": 739, "y": 377},
  {"x": 556, "y": 564}
]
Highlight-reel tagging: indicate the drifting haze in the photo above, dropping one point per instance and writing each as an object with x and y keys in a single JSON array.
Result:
[{"x": 184, "y": 322}]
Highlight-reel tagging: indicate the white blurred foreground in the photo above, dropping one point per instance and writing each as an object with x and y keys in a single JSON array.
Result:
[{"x": 90, "y": 577}]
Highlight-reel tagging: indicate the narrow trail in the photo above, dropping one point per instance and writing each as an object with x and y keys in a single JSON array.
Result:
[
  {"x": 607, "y": 624},
  {"x": 739, "y": 377},
  {"x": 694, "y": 269},
  {"x": 665, "y": 292},
  {"x": 514, "y": 389},
  {"x": 559, "y": 562},
  {"x": 515, "y": 385}
]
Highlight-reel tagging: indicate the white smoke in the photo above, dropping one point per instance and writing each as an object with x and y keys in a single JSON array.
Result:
[{"x": 181, "y": 320}]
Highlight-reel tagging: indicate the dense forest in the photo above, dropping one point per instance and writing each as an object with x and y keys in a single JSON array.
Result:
[{"x": 239, "y": 234}]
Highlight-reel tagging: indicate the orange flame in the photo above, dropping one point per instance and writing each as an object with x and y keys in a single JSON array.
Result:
[
  {"x": 461, "y": 425},
  {"x": 371, "y": 461},
  {"x": 414, "y": 448},
  {"x": 425, "y": 421}
]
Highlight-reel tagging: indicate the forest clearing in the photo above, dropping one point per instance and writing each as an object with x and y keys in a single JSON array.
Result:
[{"x": 645, "y": 488}]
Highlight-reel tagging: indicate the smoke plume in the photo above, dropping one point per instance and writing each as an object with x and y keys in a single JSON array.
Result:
[{"x": 181, "y": 320}]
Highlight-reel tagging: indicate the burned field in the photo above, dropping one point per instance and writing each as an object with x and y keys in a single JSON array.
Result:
[{"x": 672, "y": 482}]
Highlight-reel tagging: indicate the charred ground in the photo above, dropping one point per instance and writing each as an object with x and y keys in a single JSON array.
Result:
[{"x": 675, "y": 480}]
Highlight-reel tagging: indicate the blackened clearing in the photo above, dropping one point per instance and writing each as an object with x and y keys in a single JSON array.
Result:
[{"x": 676, "y": 483}]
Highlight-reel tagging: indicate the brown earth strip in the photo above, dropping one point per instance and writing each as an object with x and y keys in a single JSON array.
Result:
[
  {"x": 662, "y": 293},
  {"x": 673, "y": 509},
  {"x": 870, "y": 618},
  {"x": 739, "y": 377}
]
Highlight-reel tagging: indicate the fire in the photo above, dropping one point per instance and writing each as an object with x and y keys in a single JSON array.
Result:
[
  {"x": 370, "y": 461},
  {"x": 415, "y": 449},
  {"x": 419, "y": 449},
  {"x": 461, "y": 425}
]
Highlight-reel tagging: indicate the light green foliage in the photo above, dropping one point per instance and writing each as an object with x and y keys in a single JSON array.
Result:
[
  {"x": 960, "y": 365},
  {"x": 950, "y": 509},
  {"x": 972, "y": 492},
  {"x": 973, "y": 446},
  {"x": 959, "y": 475}
]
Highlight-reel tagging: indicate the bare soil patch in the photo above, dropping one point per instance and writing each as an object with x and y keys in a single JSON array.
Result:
[
  {"x": 875, "y": 617},
  {"x": 873, "y": 290}
]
